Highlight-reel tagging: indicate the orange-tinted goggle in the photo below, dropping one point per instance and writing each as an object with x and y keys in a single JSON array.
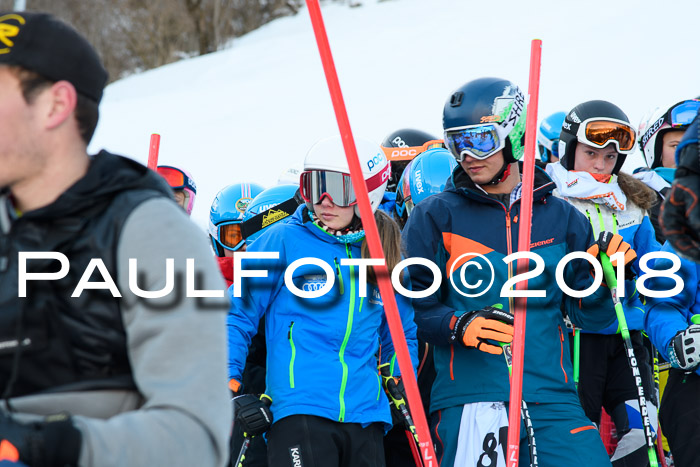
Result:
[
  {"x": 229, "y": 234},
  {"x": 176, "y": 178},
  {"x": 407, "y": 153},
  {"x": 599, "y": 132}
]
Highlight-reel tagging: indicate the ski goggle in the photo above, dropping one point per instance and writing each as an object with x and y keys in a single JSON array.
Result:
[
  {"x": 599, "y": 132},
  {"x": 176, "y": 178},
  {"x": 229, "y": 234},
  {"x": 477, "y": 141},
  {"x": 407, "y": 153},
  {"x": 683, "y": 114},
  {"x": 316, "y": 184}
]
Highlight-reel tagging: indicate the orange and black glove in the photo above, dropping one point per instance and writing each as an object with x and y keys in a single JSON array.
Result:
[
  {"x": 610, "y": 243},
  {"x": 475, "y": 329}
]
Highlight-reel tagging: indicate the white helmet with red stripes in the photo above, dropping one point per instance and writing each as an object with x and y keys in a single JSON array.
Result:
[{"x": 329, "y": 155}]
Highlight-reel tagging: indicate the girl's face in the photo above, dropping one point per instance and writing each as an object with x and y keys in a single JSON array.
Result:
[
  {"x": 595, "y": 160},
  {"x": 668, "y": 148},
  {"x": 334, "y": 217}
]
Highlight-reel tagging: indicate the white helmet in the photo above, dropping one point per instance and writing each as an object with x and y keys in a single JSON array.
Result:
[
  {"x": 329, "y": 155},
  {"x": 290, "y": 176},
  {"x": 675, "y": 117}
]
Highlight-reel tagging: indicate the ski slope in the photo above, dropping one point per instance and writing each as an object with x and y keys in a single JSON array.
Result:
[{"x": 250, "y": 111}]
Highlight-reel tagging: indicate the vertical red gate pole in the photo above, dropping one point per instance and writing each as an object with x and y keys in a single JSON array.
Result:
[
  {"x": 516, "y": 382},
  {"x": 153, "y": 150},
  {"x": 375, "y": 247}
]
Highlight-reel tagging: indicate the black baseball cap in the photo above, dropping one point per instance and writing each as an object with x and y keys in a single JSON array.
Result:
[{"x": 41, "y": 43}]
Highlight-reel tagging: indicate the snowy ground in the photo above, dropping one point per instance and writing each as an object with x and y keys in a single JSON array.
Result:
[{"x": 249, "y": 112}]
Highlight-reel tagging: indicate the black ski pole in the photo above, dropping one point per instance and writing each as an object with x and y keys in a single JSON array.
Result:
[
  {"x": 248, "y": 438},
  {"x": 400, "y": 404}
]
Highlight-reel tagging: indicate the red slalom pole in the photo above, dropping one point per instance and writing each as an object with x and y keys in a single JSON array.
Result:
[
  {"x": 518, "y": 346},
  {"x": 153, "y": 150},
  {"x": 372, "y": 235}
]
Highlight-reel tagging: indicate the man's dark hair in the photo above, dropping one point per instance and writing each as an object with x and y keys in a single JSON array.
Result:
[{"x": 86, "y": 109}]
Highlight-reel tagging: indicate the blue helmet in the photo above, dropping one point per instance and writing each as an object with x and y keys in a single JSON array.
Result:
[
  {"x": 402, "y": 192},
  {"x": 427, "y": 175},
  {"x": 268, "y": 199},
  {"x": 226, "y": 214},
  {"x": 548, "y": 136}
]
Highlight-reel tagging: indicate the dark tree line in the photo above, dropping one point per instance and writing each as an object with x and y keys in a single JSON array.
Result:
[{"x": 136, "y": 35}]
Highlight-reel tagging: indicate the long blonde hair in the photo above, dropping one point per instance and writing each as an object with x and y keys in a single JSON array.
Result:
[{"x": 390, "y": 236}]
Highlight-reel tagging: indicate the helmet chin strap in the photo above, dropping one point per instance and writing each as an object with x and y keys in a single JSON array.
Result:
[{"x": 501, "y": 175}]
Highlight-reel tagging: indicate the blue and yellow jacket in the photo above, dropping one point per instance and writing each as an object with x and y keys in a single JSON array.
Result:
[
  {"x": 666, "y": 316},
  {"x": 322, "y": 353},
  {"x": 449, "y": 228}
]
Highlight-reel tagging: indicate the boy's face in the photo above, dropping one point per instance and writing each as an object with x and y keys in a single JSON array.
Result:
[
  {"x": 20, "y": 124},
  {"x": 482, "y": 171},
  {"x": 595, "y": 160}
]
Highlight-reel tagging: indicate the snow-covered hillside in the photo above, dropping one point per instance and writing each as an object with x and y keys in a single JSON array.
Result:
[{"x": 249, "y": 112}]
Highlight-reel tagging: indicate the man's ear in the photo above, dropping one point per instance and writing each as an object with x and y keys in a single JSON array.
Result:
[{"x": 63, "y": 99}]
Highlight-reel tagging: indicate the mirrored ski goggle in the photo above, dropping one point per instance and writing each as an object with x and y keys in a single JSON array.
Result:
[
  {"x": 477, "y": 141},
  {"x": 316, "y": 184},
  {"x": 176, "y": 178},
  {"x": 597, "y": 132},
  {"x": 229, "y": 234},
  {"x": 684, "y": 113},
  {"x": 409, "y": 152}
]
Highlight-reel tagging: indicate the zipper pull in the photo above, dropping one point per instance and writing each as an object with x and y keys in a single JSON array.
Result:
[{"x": 340, "y": 276}]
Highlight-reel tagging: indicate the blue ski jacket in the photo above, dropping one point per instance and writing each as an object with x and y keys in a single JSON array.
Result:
[
  {"x": 322, "y": 353},
  {"x": 449, "y": 229},
  {"x": 666, "y": 316}
]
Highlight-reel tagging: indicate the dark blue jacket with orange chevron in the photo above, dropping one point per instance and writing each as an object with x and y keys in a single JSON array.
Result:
[{"x": 459, "y": 229}]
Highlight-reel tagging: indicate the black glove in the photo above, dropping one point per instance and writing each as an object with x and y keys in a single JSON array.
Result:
[
  {"x": 475, "y": 328},
  {"x": 684, "y": 349},
  {"x": 253, "y": 413},
  {"x": 393, "y": 387},
  {"x": 680, "y": 216},
  {"x": 53, "y": 441}
]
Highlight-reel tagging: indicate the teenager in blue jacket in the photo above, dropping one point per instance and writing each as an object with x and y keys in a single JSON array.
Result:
[
  {"x": 595, "y": 139},
  {"x": 328, "y": 405},
  {"x": 476, "y": 219},
  {"x": 673, "y": 326}
]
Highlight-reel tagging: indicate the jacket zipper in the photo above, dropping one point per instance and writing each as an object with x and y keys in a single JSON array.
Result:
[
  {"x": 561, "y": 357},
  {"x": 348, "y": 330},
  {"x": 509, "y": 246},
  {"x": 340, "y": 276},
  {"x": 294, "y": 354}
]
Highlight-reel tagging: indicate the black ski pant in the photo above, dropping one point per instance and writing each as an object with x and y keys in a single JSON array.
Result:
[
  {"x": 310, "y": 441},
  {"x": 606, "y": 380},
  {"x": 680, "y": 417}
]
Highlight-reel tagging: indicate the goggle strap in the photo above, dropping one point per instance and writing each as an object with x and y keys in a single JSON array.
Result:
[{"x": 256, "y": 223}]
